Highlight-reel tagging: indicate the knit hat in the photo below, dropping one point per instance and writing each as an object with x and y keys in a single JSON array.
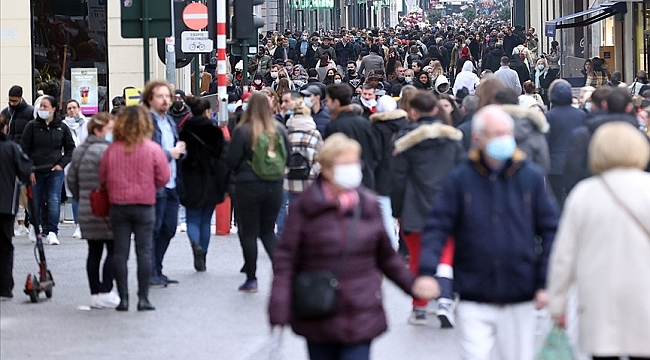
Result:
[{"x": 385, "y": 104}]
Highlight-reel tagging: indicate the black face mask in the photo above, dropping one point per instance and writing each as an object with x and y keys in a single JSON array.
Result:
[
  {"x": 351, "y": 71},
  {"x": 177, "y": 105}
]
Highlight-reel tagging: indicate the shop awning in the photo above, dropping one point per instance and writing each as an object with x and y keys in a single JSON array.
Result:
[{"x": 599, "y": 13}]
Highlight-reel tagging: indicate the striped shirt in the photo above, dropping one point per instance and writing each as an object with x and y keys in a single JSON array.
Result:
[{"x": 308, "y": 143}]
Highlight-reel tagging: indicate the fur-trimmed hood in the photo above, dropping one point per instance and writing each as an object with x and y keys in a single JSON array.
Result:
[
  {"x": 536, "y": 117},
  {"x": 389, "y": 115},
  {"x": 427, "y": 132}
]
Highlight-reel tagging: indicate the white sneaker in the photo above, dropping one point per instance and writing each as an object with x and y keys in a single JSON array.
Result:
[
  {"x": 77, "y": 233},
  {"x": 32, "y": 234},
  {"x": 446, "y": 313},
  {"x": 52, "y": 239},
  {"x": 95, "y": 302},
  {"x": 20, "y": 230},
  {"x": 182, "y": 227},
  {"x": 418, "y": 317},
  {"x": 109, "y": 300}
]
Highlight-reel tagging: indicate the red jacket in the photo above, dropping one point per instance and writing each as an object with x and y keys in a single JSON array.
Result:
[{"x": 314, "y": 239}]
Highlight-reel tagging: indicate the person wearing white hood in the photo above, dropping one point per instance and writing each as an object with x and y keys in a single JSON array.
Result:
[
  {"x": 466, "y": 79},
  {"x": 78, "y": 125},
  {"x": 442, "y": 85}
]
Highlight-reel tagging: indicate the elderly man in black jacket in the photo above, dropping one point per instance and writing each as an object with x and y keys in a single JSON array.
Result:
[{"x": 18, "y": 114}]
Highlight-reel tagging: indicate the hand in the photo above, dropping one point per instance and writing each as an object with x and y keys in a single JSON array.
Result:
[
  {"x": 175, "y": 152},
  {"x": 541, "y": 299},
  {"x": 182, "y": 145},
  {"x": 57, "y": 168},
  {"x": 32, "y": 178},
  {"x": 425, "y": 288},
  {"x": 560, "y": 320}
]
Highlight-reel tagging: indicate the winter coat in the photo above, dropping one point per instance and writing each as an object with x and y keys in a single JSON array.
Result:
[
  {"x": 18, "y": 118},
  {"x": 466, "y": 79},
  {"x": 493, "y": 60},
  {"x": 510, "y": 78},
  {"x": 523, "y": 71},
  {"x": 359, "y": 129},
  {"x": 530, "y": 127},
  {"x": 423, "y": 159},
  {"x": 321, "y": 118},
  {"x": 329, "y": 49},
  {"x": 494, "y": 217},
  {"x": 563, "y": 120},
  {"x": 15, "y": 167},
  {"x": 314, "y": 239},
  {"x": 157, "y": 138},
  {"x": 47, "y": 145},
  {"x": 386, "y": 126},
  {"x": 291, "y": 54},
  {"x": 179, "y": 116},
  {"x": 344, "y": 53},
  {"x": 259, "y": 65},
  {"x": 82, "y": 178},
  {"x": 306, "y": 140},
  {"x": 370, "y": 63},
  {"x": 601, "y": 250},
  {"x": 204, "y": 175}
]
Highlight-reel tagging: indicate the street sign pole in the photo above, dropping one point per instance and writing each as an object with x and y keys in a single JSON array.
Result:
[
  {"x": 145, "y": 38},
  {"x": 244, "y": 57},
  {"x": 197, "y": 85},
  {"x": 170, "y": 53}
]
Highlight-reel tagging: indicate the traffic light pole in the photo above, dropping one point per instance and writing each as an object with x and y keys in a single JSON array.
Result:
[
  {"x": 197, "y": 78},
  {"x": 244, "y": 59},
  {"x": 145, "y": 37},
  {"x": 170, "y": 54}
]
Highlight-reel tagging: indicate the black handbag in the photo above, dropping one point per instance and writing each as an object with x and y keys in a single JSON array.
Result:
[{"x": 315, "y": 294}]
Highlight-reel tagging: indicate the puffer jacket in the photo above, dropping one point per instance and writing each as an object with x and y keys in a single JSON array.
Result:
[
  {"x": 82, "y": 178},
  {"x": 386, "y": 126},
  {"x": 530, "y": 129},
  {"x": 18, "y": 118},
  {"x": 47, "y": 145}
]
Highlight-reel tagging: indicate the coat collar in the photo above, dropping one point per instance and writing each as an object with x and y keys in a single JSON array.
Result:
[
  {"x": 520, "y": 112},
  {"x": 427, "y": 132},
  {"x": 388, "y": 116},
  {"x": 516, "y": 162}
]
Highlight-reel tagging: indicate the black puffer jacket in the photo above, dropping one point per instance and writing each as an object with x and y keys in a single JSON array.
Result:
[
  {"x": 13, "y": 164},
  {"x": 18, "y": 118},
  {"x": 386, "y": 126},
  {"x": 47, "y": 145}
]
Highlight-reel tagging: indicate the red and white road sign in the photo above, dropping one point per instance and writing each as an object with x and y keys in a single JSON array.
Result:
[{"x": 195, "y": 16}]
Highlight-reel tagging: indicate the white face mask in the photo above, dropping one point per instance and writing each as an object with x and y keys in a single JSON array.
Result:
[
  {"x": 43, "y": 114},
  {"x": 369, "y": 103},
  {"x": 408, "y": 79},
  {"x": 348, "y": 176},
  {"x": 258, "y": 81},
  {"x": 72, "y": 123},
  {"x": 337, "y": 81},
  {"x": 274, "y": 75},
  {"x": 308, "y": 102}
]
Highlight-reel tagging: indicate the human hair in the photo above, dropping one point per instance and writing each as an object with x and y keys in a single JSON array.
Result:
[
  {"x": 618, "y": 100},
  {"x": 600, "y": 95},
  {"x": 335, "y": 145},
  {"x": 418, "y": 63},
  {"x": 98, "y": 121},
  {"x": 197, "y": 105},
  {"x": 470, "y": 103},
  {"x": 300, "y": 108},
  {"x": 259, "y": 117},
  {"x": 147, "y": 94},
  {"x": 274, "y": 97},
  {"x": 554, "y": 83},
  {"x": 340, "y": 92},
  {"x": 529, "y": 87},
  {"x": 489, "y": 86},
  {"x": 618, "y": 145},
  {"x": 352, "y": 62},
  {"x": 3, "y": 122},
  {"x": 16, "y": 91},
  {"x": 283, "y": 86},
  {"x": 423, "y": 102},
  {"x": 408, "y": 93},
  {"x": 53, "y": 102},
  {"x": 368, "y": 86},
  {"x": 437, "y": 69},
  {"x": 454, "y": 116},
  {"x": 507, "y": 96},
  {"x": 312, "y": 73},
  {"x": 490, "y": 112},
  {"x": 70, "y": 102},
  {"x": 132, "y": 125},
  {"x": 505, "y": 60}
]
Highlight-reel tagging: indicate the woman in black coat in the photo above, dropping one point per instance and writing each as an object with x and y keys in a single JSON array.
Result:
[{"x": 204, "y": 176}]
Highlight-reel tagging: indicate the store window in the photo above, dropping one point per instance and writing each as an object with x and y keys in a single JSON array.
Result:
[
  {"x": 642, "y": 35},
  {"x": 70, "y": 51}
]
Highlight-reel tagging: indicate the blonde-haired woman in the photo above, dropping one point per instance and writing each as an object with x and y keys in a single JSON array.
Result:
[
  {"x": 132, "y": 168},
  {"x": 257, "y": 201},
  {"x": 603, "y": 246}
]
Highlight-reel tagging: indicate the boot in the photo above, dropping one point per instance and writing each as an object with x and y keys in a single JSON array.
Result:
[
  {"x": 199, "y": 259},
  {"x": 205, "y": 262},
  {"x": 124, "y": 303},
  {"x": 144, "y": 304}
]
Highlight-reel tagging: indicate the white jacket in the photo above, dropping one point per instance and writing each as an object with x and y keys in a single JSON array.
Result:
[{"x": 467, "y": 79}]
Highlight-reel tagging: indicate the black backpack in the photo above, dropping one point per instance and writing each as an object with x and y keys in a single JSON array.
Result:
[{"x": 299, "y": 166}]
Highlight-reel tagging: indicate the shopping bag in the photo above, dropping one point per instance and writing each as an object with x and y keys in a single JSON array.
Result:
[
  {"x": 556, "y": 346},
  {"x": 265, "y": 348}
]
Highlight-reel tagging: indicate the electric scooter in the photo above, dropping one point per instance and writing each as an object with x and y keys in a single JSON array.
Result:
[{"x": 43, "y": 282}]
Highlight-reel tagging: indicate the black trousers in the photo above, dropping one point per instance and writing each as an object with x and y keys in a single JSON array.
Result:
[
  {"x": 93, "y": 264},
  {"x": 257, "y": 204},
  {"x": 557, "y": 186},
  {"x": 6, "y": 254}
]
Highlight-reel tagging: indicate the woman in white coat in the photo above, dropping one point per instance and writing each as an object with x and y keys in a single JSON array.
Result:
[
  {"x": 466, "y": 79},
  {"x": 604, "y": 249}
]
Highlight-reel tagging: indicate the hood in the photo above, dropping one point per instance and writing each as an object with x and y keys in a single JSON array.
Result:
[
  {"x": 449, "y": 44},
  {"x": 389, "y": 115},
  {"x": 496, "y": 52},
  {"x": 427, "y": 132},
  {"x": 441, "y": 79},
  {"x": 299, "y": 122},
  {"x": 536, "y": 119},
  {"x": 515, "y": 163},
  {"x": 468, "y": 66},
  {"x": 561, "y": 94}
]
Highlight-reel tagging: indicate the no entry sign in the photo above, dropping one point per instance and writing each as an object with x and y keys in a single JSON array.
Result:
[{"x": 195, "y": 16}]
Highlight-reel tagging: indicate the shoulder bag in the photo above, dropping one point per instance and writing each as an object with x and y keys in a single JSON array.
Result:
[
  {"x": 315, "y": 294},
  {"x": 624, "y": 207}
]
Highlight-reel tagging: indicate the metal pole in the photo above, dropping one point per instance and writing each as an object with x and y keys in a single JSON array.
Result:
[
  {"x": 170, "y": 53},
  {"x": 244, "y": 56},
  {"x": 197, "y": 85},
  {"x": 145, "y": 38},
  {"x": 222, "y": 9}
]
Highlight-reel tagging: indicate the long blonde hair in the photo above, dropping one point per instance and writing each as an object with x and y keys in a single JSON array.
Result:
[{"x": 259, "y": 117}]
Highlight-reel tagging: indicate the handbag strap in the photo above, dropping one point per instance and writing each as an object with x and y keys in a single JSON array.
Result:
[
  {"x": 624, "y": 207},
  {"x": 351, "y": 236}
]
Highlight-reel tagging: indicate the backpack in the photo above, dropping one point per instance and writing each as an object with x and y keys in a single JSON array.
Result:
[
  {"x": 269, "y": 165},
  {"x": 299, "y": 166}
]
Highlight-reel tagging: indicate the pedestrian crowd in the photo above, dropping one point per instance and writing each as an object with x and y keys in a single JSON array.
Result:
[{"x": 451, "y": 160}]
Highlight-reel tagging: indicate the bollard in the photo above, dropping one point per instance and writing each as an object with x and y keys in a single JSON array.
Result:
[{"x": 222, "y": 211}]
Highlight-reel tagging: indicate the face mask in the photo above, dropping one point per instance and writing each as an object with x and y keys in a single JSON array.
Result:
[
  {"x": 347, "y": 176},
  {"x": 541, "y": 67},
  {"x": 408, "y": 79},
  {"x": 289, "y": 112},
  {"x": 576, "y": 106},
  {"x": 43, "y": 114},
  {"x": 369, "y": 103},
  {"x": 308, "y": 102},
  {"x": 289, "y": 68},
  {"x": 232, "y": 108},
  {"x": 501, "y": 148},
  {"x": 337, "y": 81},
  {"x": 109, "y": 137},
  {"x": 274, "y": 75},
  {"x": 351, "y": 71},
  {"x": 588, "y": 107},
  {"x": 244, "y": 106},
  {"x": 177, "y": 105},
  {"x": 258, "y": 81}
]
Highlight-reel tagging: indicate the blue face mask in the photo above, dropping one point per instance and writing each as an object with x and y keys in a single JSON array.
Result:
[
  {"x": 588, "y": 107},
  {"x": 109, "y": 137},
  {"x": 232, "y": 108},
  {"x": 289, "y": 113},
  {"x": 501, "y": 148},
  {"x": 244, "y": 106}
]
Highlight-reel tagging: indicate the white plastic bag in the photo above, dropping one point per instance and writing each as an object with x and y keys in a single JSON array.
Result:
[{"x": 265, "y": 348}]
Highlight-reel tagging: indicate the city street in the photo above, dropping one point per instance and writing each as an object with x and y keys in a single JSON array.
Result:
[{"x": 205, "y": 317}]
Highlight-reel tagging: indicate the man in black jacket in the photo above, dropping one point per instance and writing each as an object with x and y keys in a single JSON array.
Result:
[
  {"x": 346, "y": 121},
  {"x": 18, "y": 114},
  {"x": 285, "y": 52}
]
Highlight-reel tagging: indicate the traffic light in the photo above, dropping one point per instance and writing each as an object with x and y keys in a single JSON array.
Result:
[{"x": 243, "y": 18}]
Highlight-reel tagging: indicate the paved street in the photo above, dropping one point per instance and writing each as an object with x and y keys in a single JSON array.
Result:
[{"x": 203, "y": 318}]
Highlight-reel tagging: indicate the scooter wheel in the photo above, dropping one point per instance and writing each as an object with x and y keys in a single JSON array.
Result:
[
  {"x": 48, "y": 293},
  {"x": 33, "y": 296}
]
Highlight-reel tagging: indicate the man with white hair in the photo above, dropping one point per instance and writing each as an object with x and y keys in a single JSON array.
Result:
[{"x": 494, "y": 205}]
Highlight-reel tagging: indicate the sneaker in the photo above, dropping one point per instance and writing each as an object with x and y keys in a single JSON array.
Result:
[
  {"x": 432, "y": 308},
  {"x": 157, "y": 283},
  {"x": 109, "y": 300},
  {"x": 32, "y": 234},
  {"x": 199, "y": 256},
  {"x": 6, "y": 296},
  {"x": 20, "y": 230},
  {"x": 446, "y": 313},
  {"x": 169, "y": 281},
  {"x": 182, "y": 227},
  {"x": 95, "y": 302},
  {"x": 77, "y": 233},
  {"x": 52, "y": 239},
  {"x": 418, "y": 317},
  {"x": 250, "y": 286}
]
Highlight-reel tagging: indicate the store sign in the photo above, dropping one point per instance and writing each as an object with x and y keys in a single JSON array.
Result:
[
  {"x": 97, "y": 15},
  {"x": 83, "y": 83},
  {"x": 313, "y": 4}
]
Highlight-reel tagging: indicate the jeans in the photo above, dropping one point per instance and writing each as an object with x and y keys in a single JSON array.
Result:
[
  {"x": 198, "y": 225},
  {"x": 139, "y": 220},
  {"x": 257, "y": 204},
  {"x": 360, "y": 351},
  {"x": 182, "y": 214},
  {"x": 95, "y": 253},
  {"x": 6, "y": 254},
  {"x": 164, "y": 229},
  {"x": 75, "y": 210},
  {"x": 48, "y": 189},
  {"x": 284, "y": 210},
  {"x": 389, "y": 221}
]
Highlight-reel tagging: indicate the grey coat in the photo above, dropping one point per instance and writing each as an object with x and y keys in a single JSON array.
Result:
[
  {"x": 530, "y": 127},
  {"x": 83, "y": 177}
]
